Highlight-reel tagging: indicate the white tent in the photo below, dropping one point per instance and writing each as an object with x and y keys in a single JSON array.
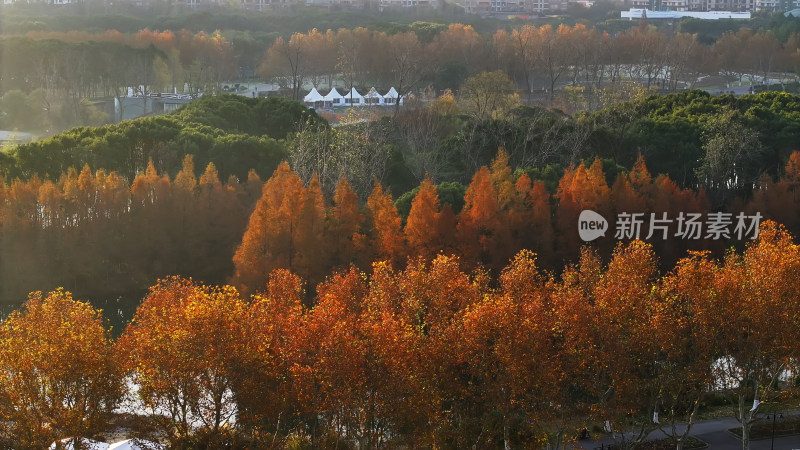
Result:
[
  {"x": 373, "y": 98},
  {"x": 392, "y": 97},
  {"x": 136, "y": 444},
  {"x": 333, "y": 98},
  {"x": 88, "y": 444},
  {"x": 313, "y": 97},
  {"x": 353, "y": 98}
]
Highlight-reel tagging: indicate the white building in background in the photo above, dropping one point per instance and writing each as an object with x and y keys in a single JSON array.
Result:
[
  {"x": 708, "y": 15},
  {"x": 46, "y": 2},
  {"x": 134, "y": 106},
  {"x": 514, "y": 6},
  {"x": 8, "y": 137},
  {"x": 713, "y": 5},
  {"x": 411, "y": 3},
  {"x": 339, "y": 3}
]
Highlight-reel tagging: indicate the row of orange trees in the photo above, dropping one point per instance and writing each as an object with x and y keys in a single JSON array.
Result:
[
  {"x": 426, "y": 355},
  {"x": 102, "y": 237},
  {"x": 294, "y": 226}
]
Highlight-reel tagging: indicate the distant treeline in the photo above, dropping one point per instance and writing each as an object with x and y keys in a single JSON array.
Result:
[
  {"x": 723, "y": 143},
  {"x": 53, "y": 75}
]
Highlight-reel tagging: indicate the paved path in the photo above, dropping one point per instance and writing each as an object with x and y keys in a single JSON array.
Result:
[{"x": 715, "y": 434}]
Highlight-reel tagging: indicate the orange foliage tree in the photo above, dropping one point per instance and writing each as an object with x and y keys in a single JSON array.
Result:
[
  {"x": 266, "y": 393},
  {"x": 284, "y": 231},
  {"x": 422, "y": 226},
  {"x": 183, "y": 351},
  {"x": 755, "y": 316},
  {"x": 59, "y": 376},
  {"x": 386, "y": 237},
  {"x": 626, "y": 363},
  {"x": 580, "y": 188},
  {"x": 682, "y": 322}
]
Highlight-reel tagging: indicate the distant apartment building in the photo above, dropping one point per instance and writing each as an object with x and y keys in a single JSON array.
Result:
[
  {"x": 715, "y": 5},
  {"x": 409, "y": 3},
  {"x": 256, "y": 5},
  {"x": 521, "y": 6},
  {"x": 47, "y": 2},
  {"x": 337, "y": 3}
]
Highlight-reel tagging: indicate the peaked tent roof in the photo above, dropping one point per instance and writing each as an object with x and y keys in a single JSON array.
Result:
[
  {"x": 313, "y": 96},
  {"x": 353, "y": 94},
  {"x": 392, "y": 93},
  {"x": 373, "y": 93},
  {"x": 332, "y": 95}
]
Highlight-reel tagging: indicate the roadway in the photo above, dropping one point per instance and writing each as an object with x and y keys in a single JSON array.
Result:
[{"x": 715, "y": 434}]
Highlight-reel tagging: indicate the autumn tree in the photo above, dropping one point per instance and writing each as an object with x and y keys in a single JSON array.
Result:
[
  {"x": 505, "y": 345},
  {"x": 183, "y": 351},
  {"x": 539, "y": 336},
  {"x": 359, "y": 152},
  {"x": 422, "y": 225},
  {"x": 267, "y": 393},
  {"x": 273, "y": 236},
  {"x": 525, "y": 43},
  {"x": 454, "y": 54},
  {"x": 626, "y": 378},
  {"x": 321, "y": 49},
  {"x": 310, "y": 258},
  {"x": 407, "y": 65},
  {"x": 386, "y": 236},
  {"x": 60, "y": 379},
  {"x": 219, "y": 220},
  {"x": 760, "y": 53},
  {"x": 479, "y": 226},
  {"x": 288, "y": 58},
  {"x": 580, "y": 188},
  {"x": 682, "y": 321},
  {"x": 428, "y": 298},
  {"x": 553, "y": 53},
  {"x": 778, "y": 199},
  {"x": 530, "y": 219},
  {"x": 754, "y": 306},
  {"x": 487, "y": 95},
  {"x": 344, "y": 227},
  {"x": 334, "y": 372},
  {"x": 684, "y": 57}
]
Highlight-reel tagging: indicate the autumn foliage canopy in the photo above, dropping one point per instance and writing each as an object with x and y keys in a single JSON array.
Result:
[{"x": 444, "y": 329}]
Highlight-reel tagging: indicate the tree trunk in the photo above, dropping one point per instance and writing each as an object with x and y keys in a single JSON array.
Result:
[
  {"x": 506, "y": 441},
  {"x": 745, "y": 436},
  {"x": 746, "y": 417}
]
